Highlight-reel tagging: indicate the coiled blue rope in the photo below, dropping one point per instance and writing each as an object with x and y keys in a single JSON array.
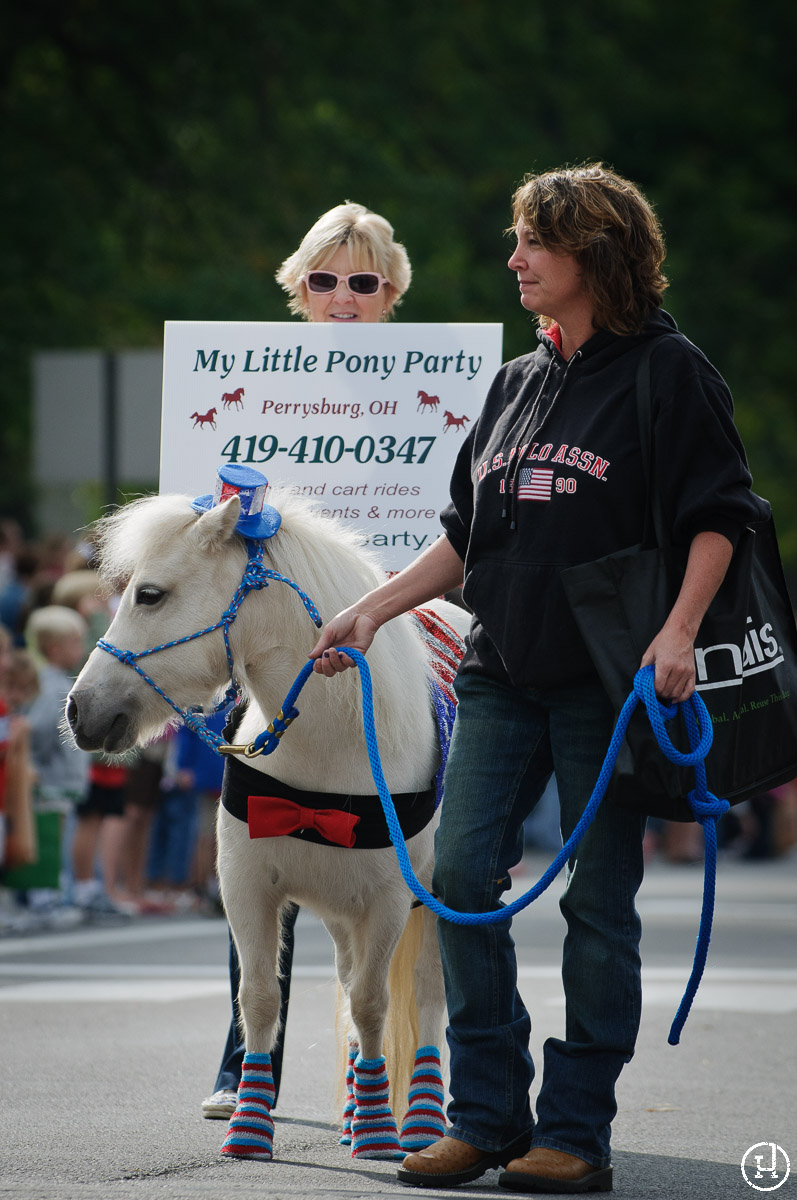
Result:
[{"x": 706, "y": 807}]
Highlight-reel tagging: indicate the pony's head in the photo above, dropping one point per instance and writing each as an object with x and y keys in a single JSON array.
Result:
[{"x": 179, "y": 571}]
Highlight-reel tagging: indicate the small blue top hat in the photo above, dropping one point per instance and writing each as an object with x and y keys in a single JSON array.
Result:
[{"x": 258, "y": 520}]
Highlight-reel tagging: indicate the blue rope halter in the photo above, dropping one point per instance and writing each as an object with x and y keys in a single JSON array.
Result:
[{"x": 256, "y": 576}]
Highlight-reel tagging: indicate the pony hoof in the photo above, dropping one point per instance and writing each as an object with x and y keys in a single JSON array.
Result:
[
  {"x": 369, "y": 1140},
  {"x": 394, "y": 1154},
  {"x": 251, "y": 1129},
  {"x": 236, "y": 1150},
  {"x": 249, "y": 1136},
  {"x": 424, "y": 1122},
  {"x": 373, "y": 1128},
  {"x": 421, "y": 1129}
]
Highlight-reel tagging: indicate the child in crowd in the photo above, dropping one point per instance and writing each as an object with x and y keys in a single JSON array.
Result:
[
  {"x": 19, "y": 684},
  {"x": 22, "y": 681},
  {"x": 57, "y": 637},
  {"x": 83, "y": 591},
  {"x": 100, "y": 829},
  {"x": 100, "y": 834},
  {"x": 191, "y": 783},
  {"x": 143, "y": 798},
  {"x": 5, "y": 732}
]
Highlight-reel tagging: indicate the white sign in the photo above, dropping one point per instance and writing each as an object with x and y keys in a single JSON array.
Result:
[{"x": 366, "y": 420}]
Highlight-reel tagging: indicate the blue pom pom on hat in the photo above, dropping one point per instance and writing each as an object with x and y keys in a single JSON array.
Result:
[{"x": 258, "y": 520}]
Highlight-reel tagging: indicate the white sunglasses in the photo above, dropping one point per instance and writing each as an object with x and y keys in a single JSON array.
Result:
[{"x": 359, "y": 283}]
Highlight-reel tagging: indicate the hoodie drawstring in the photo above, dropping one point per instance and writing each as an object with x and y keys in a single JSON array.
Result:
[{"x": 513, "y": 468}]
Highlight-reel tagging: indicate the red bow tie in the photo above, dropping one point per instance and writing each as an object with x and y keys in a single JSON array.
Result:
[{"x": 271, "y": 816}]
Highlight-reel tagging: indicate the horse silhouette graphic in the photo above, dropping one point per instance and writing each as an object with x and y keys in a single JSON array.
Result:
[
  {"x": 427, "y": 401},
  {"x": 201, "y": 419},
  {"x": 453, "y": 422}
]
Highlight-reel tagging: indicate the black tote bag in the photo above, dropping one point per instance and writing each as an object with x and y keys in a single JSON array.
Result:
[
  {"x": 746, "y": 659},
  {"x": 745, "y": 656}
]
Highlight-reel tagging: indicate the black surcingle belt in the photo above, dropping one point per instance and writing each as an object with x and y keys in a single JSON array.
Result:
[{"x": 272, "y": 808}]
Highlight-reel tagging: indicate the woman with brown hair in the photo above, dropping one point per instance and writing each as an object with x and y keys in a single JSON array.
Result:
[{"x": 551, "y": 476}]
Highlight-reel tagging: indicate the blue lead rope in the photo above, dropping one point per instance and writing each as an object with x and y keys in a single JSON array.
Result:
[{"x": 706, "y": 807}]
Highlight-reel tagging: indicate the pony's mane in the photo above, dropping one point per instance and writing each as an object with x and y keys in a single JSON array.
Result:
[
  {"x": 325, "y": 556},
  {"x": 149, "y": 523}
]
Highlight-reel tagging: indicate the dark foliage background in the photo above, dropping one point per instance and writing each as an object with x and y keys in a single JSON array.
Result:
[{"x": 160, "y": 160}]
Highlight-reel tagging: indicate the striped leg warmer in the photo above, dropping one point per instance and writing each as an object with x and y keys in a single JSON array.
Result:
[
  {"x": 424, "y": 1122},
  {"x": 251, "y": 1131},
  {"x": 373, "y": 1126},
  {"x": 348, "y": 1111}
]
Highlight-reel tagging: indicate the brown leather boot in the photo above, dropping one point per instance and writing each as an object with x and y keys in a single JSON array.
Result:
[
  {"x": 449, "y": 1162},
  {"x": 552, "y": 1171}
]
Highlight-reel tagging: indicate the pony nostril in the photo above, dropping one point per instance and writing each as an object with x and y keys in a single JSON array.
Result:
[{"x": 71, "y": 712}]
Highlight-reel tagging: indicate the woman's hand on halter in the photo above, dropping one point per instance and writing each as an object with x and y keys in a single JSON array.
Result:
[{"x": 348, "y": 628}]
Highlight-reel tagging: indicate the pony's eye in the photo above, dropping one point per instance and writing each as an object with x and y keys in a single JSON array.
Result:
[{"x": 148, "y": 594}]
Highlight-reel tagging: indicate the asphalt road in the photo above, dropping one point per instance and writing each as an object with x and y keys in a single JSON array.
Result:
[{"x": 111, "y": 1037}]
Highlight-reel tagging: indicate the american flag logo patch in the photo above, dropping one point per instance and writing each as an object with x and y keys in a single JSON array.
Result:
[{"x": 535, "y": 483}]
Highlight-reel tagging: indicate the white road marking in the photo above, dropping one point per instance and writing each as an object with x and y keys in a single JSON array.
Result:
[
  {"x": 724, "y": 910},
  {"x": 82, "y": 983},
  {"x": 140, "y": 971},
  {"x": 115, "y": 936},
  {"x": 768, "y": 990},
  {"x": 725, "y": 989}
]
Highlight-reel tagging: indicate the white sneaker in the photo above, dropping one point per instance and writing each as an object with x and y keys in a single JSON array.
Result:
[
  {"x": 102, "y": 910},
  {"x": 220, "y": 1106},
  {"x": 63, "y": 916}
]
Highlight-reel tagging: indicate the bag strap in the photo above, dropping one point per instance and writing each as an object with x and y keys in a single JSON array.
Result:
[{"x": 654, "y": 532}]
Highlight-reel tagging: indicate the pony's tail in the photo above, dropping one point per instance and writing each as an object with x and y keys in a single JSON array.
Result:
[{"x": 401, "y": 1025}]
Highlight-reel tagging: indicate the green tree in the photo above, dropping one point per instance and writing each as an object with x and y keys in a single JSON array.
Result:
[{"x": 161, "y": 160}]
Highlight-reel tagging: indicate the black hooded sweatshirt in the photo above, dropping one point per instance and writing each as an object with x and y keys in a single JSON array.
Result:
[{"x": 551, "y": 475}]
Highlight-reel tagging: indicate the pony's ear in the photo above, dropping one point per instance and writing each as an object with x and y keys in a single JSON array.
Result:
[{"x": 217, "y": 525}]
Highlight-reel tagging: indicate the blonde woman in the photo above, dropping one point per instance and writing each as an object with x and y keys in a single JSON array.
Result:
[{"x": 348, "y": 267}]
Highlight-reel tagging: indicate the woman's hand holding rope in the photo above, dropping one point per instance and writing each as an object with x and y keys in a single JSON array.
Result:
[{"x": 348, "y": 628}]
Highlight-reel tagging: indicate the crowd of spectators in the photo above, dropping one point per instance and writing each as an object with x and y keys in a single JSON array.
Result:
[{"x": 82, "y": 838}]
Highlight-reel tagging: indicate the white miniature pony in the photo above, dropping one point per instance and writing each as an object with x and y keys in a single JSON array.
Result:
[{"x": 182, "y": 571}]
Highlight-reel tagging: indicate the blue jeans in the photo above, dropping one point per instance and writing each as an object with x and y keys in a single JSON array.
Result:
[
  {"x": 506, "y": 743},
  {"x": 173, "y": 838}
]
